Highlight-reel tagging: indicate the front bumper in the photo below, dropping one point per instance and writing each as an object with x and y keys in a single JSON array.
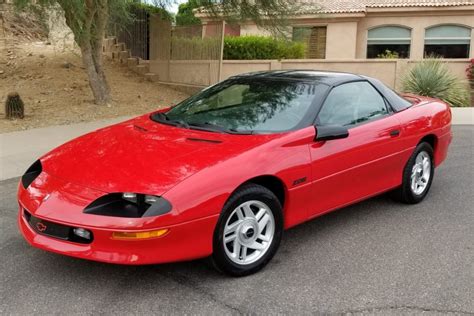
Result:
[
  {"x": 185, "y": 241},
  {"x": 54, "y": 200}
]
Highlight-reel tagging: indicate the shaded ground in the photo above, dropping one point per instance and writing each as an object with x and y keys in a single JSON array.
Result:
[
  {"x": 55, "y": 89},
  {"x": 376, "y": 257}
]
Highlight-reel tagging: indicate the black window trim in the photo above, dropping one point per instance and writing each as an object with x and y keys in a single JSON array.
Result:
[{"x": 388, "y": 106}]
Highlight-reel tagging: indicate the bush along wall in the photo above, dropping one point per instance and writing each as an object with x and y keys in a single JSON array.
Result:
[{"x": 262, "y": 47}]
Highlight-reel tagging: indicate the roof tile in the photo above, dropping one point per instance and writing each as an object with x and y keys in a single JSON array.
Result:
[{"x": 355, "y": 6}]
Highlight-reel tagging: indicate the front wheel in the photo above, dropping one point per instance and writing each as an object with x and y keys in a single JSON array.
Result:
[{"x": 248, "y": 232}]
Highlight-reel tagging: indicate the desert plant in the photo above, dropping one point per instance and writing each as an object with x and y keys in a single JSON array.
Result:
[
  {"x": 14, "y": 106},
  {"x": 262, "y": 47},
  {"x": 432, "y": 78},
  {"x": 470, "y": 73}
]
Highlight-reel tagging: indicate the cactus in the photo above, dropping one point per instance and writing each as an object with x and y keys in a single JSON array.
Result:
[{"x": 14, "y": 106}]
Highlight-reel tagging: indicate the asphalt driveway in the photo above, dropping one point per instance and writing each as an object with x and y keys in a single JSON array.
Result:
[{"x": 374, "y": 257}]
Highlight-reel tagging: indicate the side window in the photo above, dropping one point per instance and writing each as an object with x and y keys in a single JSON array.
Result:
[{"x": 351, "y": 104}]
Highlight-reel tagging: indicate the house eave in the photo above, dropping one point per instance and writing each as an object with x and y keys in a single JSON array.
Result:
[{"x": 419, "y": 9}]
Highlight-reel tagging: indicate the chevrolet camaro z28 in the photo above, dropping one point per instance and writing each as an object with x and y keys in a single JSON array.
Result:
[{"x": 225, "y": 172}]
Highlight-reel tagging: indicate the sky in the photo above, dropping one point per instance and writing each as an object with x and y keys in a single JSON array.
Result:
[{"x": 173, "y": 7}]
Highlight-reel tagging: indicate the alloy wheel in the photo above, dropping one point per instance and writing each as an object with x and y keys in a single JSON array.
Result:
[
  {"x": 421, "y": 173},
  {"x": 248, "y": 232}
]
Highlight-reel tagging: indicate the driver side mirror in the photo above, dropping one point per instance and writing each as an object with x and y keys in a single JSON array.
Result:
[{"x": 331, "y": 132}]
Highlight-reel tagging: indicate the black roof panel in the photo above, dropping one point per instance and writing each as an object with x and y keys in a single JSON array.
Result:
[{"x": 326, "y": 77}]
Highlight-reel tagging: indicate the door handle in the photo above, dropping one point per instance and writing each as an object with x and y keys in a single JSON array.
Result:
[{"x": 395, "y": 133}]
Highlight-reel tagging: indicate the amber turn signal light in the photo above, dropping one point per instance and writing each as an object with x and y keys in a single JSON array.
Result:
[{"x": 139, "y": 235}]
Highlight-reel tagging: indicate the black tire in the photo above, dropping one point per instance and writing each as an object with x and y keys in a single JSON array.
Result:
[
  {"x": 248, "y": 192},
  {"x": 405, "y": 193}
]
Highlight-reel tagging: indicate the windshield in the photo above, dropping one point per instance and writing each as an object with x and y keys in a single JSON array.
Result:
[{"x": 246, "y": 106}]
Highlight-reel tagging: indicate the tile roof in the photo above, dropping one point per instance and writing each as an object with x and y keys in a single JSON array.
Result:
[{"x": 357, "y": 6}]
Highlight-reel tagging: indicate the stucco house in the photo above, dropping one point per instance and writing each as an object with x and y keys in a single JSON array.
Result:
[{"x": 365, "y": 29}]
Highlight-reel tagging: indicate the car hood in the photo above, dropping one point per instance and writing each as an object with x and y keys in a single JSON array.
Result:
[{"x": 143, "y": 156}]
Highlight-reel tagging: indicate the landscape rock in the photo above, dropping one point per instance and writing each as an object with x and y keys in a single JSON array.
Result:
[{"x": 67, "y": 65}]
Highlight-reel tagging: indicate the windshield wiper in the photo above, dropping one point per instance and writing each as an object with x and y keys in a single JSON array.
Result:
[
  {"x": 217, "y": 128},
  {"x": 162, "y": 117},
  {"x": 206, "y": 126}
]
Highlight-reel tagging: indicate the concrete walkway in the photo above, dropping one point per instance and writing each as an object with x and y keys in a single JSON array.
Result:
[{"x": 18, "y": 150}]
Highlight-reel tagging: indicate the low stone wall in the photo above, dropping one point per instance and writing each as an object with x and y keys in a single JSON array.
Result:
[
  {"x": 463, "y": 116},
  {"x": 190, "y": 72},
  {"x": 204, "y": 72},
  {"x": 389, "y": 71}
]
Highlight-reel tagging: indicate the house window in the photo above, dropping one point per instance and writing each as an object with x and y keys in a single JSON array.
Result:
[
  {"x": 448, "y": 41},
  {"x": 389, "y": 41},
  {"x": 314, "y": 37}
]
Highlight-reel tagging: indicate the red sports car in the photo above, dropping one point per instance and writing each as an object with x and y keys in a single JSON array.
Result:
[{"x": 225, "y": 172}]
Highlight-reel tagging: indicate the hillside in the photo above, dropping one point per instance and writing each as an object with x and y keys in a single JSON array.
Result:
[{"x": 50, "y": 78}]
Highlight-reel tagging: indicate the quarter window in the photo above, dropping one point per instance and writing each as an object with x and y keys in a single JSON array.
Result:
[
  {"x": 448, "y": 41},
  {"x": 351, "y": 104},
  {"x": 389, "y": 42}
]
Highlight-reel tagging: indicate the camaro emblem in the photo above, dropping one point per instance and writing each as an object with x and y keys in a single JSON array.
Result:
[{"x": 41, "y": 227}]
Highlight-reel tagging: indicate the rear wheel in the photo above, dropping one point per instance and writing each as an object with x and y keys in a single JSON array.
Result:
[
  {"x": 417, "y": 175},
  {"x": 248, "y": 232}
]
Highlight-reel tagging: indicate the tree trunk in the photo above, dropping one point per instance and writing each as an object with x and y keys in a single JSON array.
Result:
[
  {"x": 100, "y": 23},
  {"x": 89, "y": 31},
  {"x": 95, "y": 72}
]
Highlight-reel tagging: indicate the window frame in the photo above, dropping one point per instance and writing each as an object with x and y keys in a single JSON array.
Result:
[
  {"x": 469, "y": 39},
  {"x": 310, "y": 27},
  {"x": 388, "y": 106},
  {"x": 409, "y": 39}
]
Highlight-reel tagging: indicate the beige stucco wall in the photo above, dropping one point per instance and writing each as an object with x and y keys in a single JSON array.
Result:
[
  {"x": 234, "y": 67},
  {"x": 385, "y": 70},
  {"x": 347, "y": 34},
  {"x": 388, "y": 71},
  {"x": 252, "y": 29},
  {"x": 416, "y": 23},
  {"x": 192, "y": 72},
  {"x": 205, "y": 72},
  {"x": 341, "y": 40}
]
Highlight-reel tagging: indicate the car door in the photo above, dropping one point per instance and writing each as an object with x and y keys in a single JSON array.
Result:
[{"x": 365, "y": 163}]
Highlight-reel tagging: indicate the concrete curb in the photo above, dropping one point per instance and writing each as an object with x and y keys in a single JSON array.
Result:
[{"x": 463, "y": 116}]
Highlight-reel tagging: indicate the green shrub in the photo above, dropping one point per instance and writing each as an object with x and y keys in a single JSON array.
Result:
[
  {"x": 262, "y": 47},
  {"x": 432, "y": 78}
]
